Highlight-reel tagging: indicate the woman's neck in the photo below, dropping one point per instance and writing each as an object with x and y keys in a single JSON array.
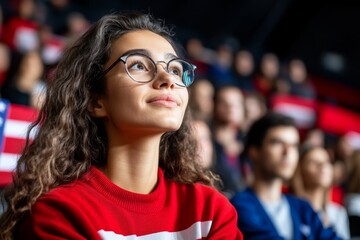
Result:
[{"x": 133, "y": 165}]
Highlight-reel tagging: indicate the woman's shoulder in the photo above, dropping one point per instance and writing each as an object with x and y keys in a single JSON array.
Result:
[
  {"x": 61, "y": 195},
  {"x": 71, "y": 190},
  {"x": 200, "y": 188},
  {"x": 199, "y": 192}
]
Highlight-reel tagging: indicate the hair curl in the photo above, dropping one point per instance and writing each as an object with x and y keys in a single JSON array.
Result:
[{"x": 69, "y": 140}]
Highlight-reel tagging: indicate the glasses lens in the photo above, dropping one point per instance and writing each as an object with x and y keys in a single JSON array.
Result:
[
  {"x": 183, "y": 72},
  {"x": 140, "y": 68}
]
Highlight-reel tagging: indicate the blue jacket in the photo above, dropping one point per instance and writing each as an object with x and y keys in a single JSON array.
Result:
[{"x": 254, "y": 222}]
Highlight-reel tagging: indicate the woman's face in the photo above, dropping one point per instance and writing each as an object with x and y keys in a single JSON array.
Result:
[
  {"x": 139, "y": 108},
  {"x": 317, "y": 170}
]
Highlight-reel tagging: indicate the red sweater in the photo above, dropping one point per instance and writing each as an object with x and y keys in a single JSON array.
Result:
[{"x": 95, "y": 208}]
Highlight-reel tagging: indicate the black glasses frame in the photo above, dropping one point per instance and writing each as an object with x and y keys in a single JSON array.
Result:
[{"x": 124, "y": 58}]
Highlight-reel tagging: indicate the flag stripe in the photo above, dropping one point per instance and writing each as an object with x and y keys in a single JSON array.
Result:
[
  {"x": 14, "y": 124},
  {"x": 8, "y": 161},
  {"x": 16, "y": 129},
  {"x": 14, "y": 145},
  {"x": 5, "y": 178},
  {"x": 22, "y": 112}
]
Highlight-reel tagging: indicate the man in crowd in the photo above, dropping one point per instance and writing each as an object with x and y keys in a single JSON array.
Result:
[{"x": 264, "y": 211}]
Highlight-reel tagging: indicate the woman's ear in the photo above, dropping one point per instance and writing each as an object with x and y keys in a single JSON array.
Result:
[{"x": 96, "y": 107}]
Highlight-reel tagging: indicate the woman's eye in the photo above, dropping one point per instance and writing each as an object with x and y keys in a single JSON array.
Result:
[
  {"x": 137, "y": 66},
  {"x": 175, "y": 71}
]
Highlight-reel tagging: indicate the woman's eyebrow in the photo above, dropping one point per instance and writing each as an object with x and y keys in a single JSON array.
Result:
[
  {"x": 139, "y": 50},
  {"x": 170, "y": 56}
]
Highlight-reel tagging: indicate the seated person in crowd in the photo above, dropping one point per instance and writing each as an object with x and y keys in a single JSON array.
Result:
[
  {"x": 227, "y": 134},
  {"x": 264, "y": 211},
  {"x": 201, "y": 99},
  {"x": 313, "y": 180},
  {"x": 205, "y": 148}
]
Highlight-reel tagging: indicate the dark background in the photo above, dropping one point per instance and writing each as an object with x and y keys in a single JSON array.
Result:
[{"x": 325, "y": 34}]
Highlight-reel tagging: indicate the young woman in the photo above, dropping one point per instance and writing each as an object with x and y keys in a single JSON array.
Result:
[
  {"x": 313, "y": 180},
  {"x": 114, "y": 155}
]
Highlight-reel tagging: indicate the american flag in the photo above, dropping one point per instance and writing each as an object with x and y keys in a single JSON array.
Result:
[{"x": 14, "y": 122}]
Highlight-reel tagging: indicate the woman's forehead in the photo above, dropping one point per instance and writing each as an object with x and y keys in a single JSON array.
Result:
[{"x": 143, "y": 39}]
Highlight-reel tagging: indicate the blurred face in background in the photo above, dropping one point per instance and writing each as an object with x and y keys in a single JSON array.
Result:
[
  {"x": 32, "y": 66},
  {"x": 5, "y": 58},
  {"x": 204, "y": 143},
  {"x": 354, "y": 172},
  {"x": 316, "y": 169},
  {"x": 315, "y": 137},
  {"x": 344, "y": 148},
  {"x": 244, "y": 63},
  {"x": 202, "y": 97},
  {"x": 224, "y": 56},
  {"x": 76, "y": 24},
  {"x": 229, "y": 106},
  {"x": 194, "y": 47},
  {"x": 59, "y": 3},
  {"x": 297, "y": 71},
  {"x": 270, "y": 66},
  {"x": 254, "y": 108},
  {"x": 278, "y": 156},
  {"x": 26, "y": 8}
]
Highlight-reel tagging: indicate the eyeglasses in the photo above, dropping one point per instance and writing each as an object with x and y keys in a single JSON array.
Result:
[{"x": 142, "y": 69}]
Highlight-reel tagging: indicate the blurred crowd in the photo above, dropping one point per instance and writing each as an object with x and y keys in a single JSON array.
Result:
[
  {"x": 232, "y": 90},
  {"x": 33, "y": 36}
]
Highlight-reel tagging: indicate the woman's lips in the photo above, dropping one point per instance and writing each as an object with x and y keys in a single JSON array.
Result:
[{"x": 165, "y": 101}]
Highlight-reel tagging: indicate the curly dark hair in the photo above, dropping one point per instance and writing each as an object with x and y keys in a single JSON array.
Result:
[{"x": 69, "y": 140}]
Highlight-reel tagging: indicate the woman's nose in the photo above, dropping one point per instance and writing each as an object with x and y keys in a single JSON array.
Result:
[{"x": 163, "y": 79}]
